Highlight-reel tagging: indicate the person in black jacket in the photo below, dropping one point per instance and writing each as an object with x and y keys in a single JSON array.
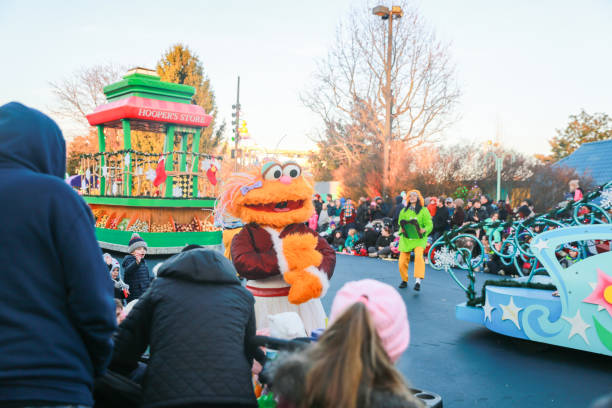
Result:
[
  {"x": 395, "y": 211},
  {"x": 198, "y": 322},
  {"x": 135, "y": 270},
  {"x": 57, "y": 314},
  {"x": 441, "y": 221},
  {"x": 382, "y": 248}
]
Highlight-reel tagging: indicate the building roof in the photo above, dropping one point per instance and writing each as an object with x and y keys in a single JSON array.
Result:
[{"x": 592, "y": 159}]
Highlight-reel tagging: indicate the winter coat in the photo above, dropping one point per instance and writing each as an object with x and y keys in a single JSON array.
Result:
[
  {"x": 383, "y": 241},
  {"x": 331, "y": 209},
  {"x": 348, "y": 215},
  {"x": 363, "y": 214},
  {"x": 338, "y": 242},
  {"x": 254, "y": 255},
  {"x": 313, "y": 221},
  {"x": 323, "y": 219},
  {"x": 318, "y": 205},
  {"x": 136, "y": 275},
  {"x": 481, "y": 213},
  {"x": 407, "y": 244},
  {"x": 458, "y": 217},
  {"x": 289, "y": 377},
  {"x": 351, "y": 241},
  {"x": 394, "y": 213},
  {"x": 57, "y": 313},
  {"x": 441, "y": 220},
  {"x": 198, "y": 322}
]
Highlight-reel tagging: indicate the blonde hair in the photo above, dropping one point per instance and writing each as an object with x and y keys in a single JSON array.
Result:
[
  {"x": 352, "y": 231},
  {"x": 348, "y": 362}
]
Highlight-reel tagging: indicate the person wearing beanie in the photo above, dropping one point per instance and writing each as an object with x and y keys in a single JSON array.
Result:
[
  {"x": 368, "y": 328},
  {"x": 135, "y": 270},
  {"x": 121, "y": 288},
  {"x": 415, "y": 225}
]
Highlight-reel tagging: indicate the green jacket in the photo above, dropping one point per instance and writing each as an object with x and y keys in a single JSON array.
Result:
[{"x": 413, "y": 240}]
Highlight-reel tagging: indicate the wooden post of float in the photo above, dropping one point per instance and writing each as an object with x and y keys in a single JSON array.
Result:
[
  {"x": 127, "y": 167},
  {"x": 195, "y": 148},
  {"x": 169, "y": 147},
  {"x": 102, "y": 149}
]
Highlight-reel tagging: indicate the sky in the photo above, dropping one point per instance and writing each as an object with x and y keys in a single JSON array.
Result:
[{"x": 523, "y": 66}]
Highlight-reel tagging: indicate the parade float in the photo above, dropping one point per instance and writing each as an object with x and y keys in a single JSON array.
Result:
[
  {"x": 559, "y": 299},
  {"x": 166, "y": 196}
]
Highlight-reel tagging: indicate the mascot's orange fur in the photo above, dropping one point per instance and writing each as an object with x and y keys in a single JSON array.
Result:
[{"x": 287, "y": 265}]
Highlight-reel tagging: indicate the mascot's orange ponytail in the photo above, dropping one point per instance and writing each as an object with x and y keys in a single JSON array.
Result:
[{"x": 287, "y": 264}]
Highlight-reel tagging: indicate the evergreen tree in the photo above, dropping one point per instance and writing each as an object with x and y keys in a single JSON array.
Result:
[{"x": 181, "y": 66}]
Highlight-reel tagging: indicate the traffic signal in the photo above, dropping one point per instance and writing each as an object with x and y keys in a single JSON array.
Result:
[{"x": 235, "y": 121}]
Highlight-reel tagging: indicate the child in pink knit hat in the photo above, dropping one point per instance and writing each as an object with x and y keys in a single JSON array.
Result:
[
  {"x": 386, "y": 308},
  {"x": 352, "y": 363}
]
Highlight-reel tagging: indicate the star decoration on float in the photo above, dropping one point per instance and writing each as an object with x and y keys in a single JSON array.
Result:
[
  {"x": 602, "y": 294},
  {"x": 511, "y": 312},
  {"x": 487, "y": 309},
  {"x": 579, "y": 326},
  {"x": 540, "y": 245},
  {"x": 445, "y": 257}
]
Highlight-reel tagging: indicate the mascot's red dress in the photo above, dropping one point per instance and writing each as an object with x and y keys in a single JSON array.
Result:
[{"x": 286, "y": 264}]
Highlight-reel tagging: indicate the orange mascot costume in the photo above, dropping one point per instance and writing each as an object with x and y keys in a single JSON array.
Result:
[{"x": 287, "y": 265}]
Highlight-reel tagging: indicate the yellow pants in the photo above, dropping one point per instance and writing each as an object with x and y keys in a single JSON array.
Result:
[{"x": 419, "y": 264}]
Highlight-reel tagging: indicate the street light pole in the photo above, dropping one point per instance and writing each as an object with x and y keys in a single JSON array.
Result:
[
  {"x": 388, "y": 120},
  {"x": 386, "y": 14}
]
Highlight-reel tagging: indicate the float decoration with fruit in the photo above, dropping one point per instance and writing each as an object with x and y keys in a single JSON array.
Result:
[{"x": 287, "y": 265}]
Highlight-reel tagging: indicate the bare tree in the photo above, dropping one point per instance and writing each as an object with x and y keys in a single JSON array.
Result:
[
  {"x": 349, "y": 84},
  {"x": 80, "y": 93}
]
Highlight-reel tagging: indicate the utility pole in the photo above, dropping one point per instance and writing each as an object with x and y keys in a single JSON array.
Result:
[{"x": 236, "y": 123}]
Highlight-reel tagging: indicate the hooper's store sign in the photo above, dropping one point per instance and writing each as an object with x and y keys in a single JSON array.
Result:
[{"x": 169, "y": 116}]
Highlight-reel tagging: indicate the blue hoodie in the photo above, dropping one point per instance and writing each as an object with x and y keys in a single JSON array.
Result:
[{"x": 57, "y": 313}]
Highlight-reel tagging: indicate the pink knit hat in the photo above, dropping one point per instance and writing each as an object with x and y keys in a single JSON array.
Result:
[{"x": 386, "y": 308}]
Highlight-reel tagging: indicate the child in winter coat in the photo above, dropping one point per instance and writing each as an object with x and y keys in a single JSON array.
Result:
[
  {"x": 351, "y": 240},
  {"x": 122, "y": 289},
  {"x": 338, "y": 241},
  {"x": 352, "y": 363},
  {"x": 135, "y": 270}
]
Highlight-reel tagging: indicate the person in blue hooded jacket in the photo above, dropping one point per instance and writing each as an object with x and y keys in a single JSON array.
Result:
[{"x": 57, "y": 313}]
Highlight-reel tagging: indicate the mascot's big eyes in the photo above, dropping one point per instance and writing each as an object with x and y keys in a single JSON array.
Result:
[
  {"x": 272, "y": 172},
  {"x": 292, "y": 170}
]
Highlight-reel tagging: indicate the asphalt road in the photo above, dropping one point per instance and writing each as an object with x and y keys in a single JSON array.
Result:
[{"x": 468, "y": 365}]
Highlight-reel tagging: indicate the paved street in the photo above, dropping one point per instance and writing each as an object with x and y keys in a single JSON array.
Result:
[{"x": 469, "y": 365}]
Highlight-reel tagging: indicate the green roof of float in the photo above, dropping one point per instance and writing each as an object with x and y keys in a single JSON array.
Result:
[{"x": 148, "y": 86}]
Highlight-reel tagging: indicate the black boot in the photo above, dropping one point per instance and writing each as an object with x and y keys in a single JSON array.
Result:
[
  {"x": 417, "y": 286},
  {"x": 403, "y": 285}
]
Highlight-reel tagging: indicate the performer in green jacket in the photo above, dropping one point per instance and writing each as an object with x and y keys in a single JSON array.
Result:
[{"x": 415, "y": 225}]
